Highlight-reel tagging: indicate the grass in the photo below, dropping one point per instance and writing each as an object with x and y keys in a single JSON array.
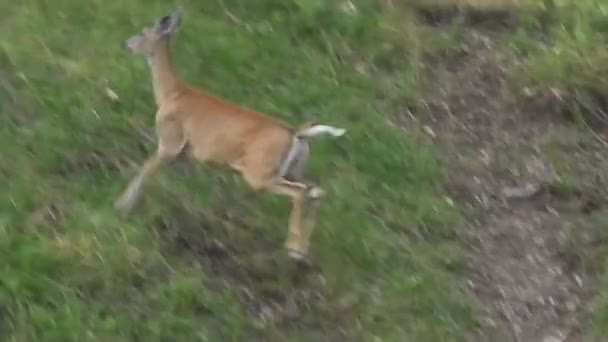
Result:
[
  {"x": 573, "y": 59},
  {"x": 483, "y": 5},
  {"x": 202, "y": 258},
  {"x": 570, "y": 61}
]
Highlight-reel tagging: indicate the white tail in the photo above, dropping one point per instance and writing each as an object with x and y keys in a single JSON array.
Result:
[{"x": 321, "y": 129}]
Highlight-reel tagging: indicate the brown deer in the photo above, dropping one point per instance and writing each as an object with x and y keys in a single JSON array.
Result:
[{"x": 268, "y": 153}]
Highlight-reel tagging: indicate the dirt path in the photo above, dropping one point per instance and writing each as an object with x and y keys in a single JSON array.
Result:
[{"x": 525, "y": 270}]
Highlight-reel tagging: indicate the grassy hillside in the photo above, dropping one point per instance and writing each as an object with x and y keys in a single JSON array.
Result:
[{"x": 202, "y": 258}]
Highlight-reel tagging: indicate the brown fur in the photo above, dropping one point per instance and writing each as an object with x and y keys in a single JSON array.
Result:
[{"x": 217, "y": 131}]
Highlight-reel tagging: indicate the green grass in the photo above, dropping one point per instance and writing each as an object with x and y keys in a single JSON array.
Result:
[
  {"x": 73, "y": 270},
  {"x": 575, "y": 55},
  {"x": 202, "y": 257},
  {"x": 571, "y": 61}
]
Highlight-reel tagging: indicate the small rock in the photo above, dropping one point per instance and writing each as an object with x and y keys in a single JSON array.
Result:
[
  {"x": 449, "y": 201},
  {"x": 528, "y": 190},
  {"x": 291, "y": 309},
  {"x": 349, "y": 7},
  {"x": 551, "y": 210},
  {"x": 428, "y": 130},
  {"x": 490, "y": 322},
  {"x": 578, "y": 280},
  {"x": 485, "y": 157},
  {"x": 550, "y": 338},
  {"x": 112, "y": 95},
  {"x": 266, "y": 313},
  {"x": 322, "y": 280},
  {"x": 570, "y": 306},
  {"x": 361, "y": 68},
  {"x": 542, "y": 171}
]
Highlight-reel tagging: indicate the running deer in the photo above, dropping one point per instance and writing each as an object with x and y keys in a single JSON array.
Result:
[{"x": 268, "y": 153}]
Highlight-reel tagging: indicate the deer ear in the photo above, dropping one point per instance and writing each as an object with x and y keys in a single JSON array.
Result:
[{"x": 170, "y": 23}]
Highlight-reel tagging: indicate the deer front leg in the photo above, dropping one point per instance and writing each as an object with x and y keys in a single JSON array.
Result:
[
  {"x": 132, "y": 194},
  {"x": 171, "y": 144}
]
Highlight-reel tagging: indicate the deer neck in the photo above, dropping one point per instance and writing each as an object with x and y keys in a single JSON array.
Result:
[{"x": 164, "y": 79}]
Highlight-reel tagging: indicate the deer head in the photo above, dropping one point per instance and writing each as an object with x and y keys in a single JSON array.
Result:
[{"x": 151, "y": 38}]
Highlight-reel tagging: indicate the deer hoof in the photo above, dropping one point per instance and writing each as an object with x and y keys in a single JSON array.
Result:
[{"x": 298, "y": 256}]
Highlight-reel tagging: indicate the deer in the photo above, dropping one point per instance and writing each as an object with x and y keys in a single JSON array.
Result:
[{"x": 268, "y": 153}]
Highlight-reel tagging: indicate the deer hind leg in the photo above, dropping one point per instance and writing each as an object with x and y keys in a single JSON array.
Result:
[
  {"x": 297, "y": 192},
  {"x": 300, "y": 226},
  {"x": 171, "y": 143},
  {"x": 293, "y": 169},
  {"x": 294, "y": 165},
  {"x": 313, "y": 201},
  {"x": 302, "y": 217}
]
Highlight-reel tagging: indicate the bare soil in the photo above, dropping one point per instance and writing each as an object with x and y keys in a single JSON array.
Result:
[{"x": 530, "y": 247}]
